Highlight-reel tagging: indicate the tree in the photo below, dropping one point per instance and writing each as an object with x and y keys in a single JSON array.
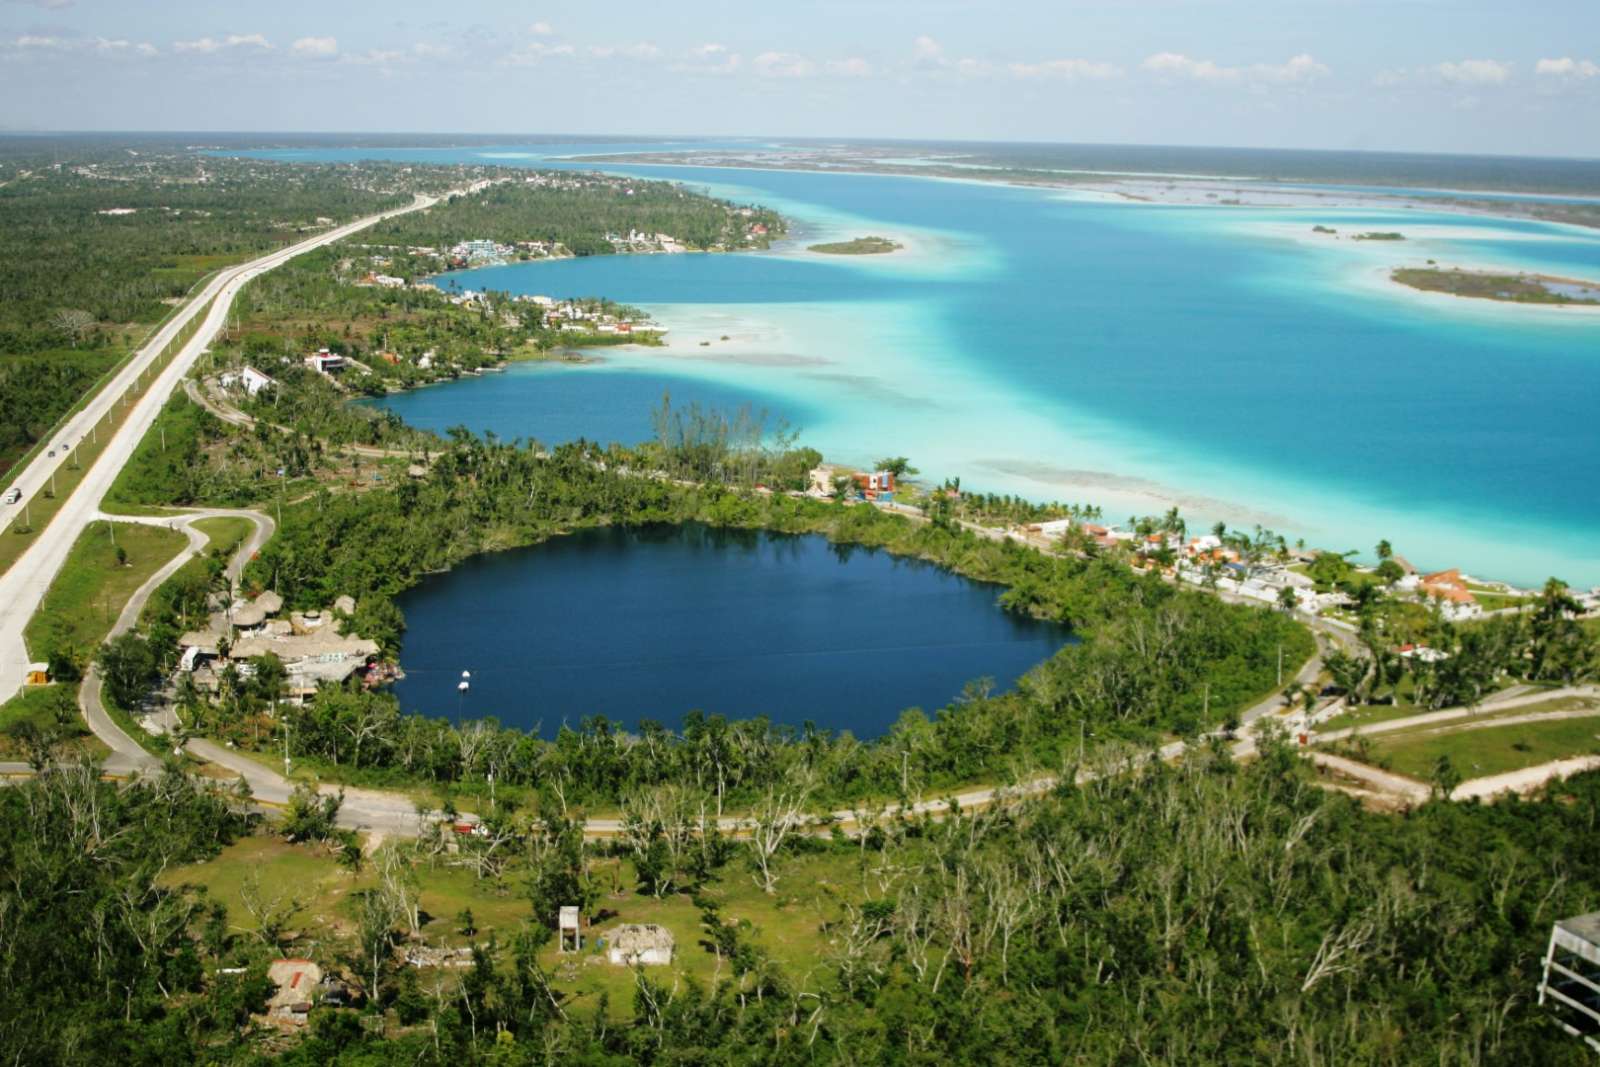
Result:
[
  {"x": 1388, "y": 572},
  {"x": 72, "y": 323},
  {"x": 899, "y": 466},
  {"x": 1445, "y": 778},
  {"x": 376, "y": 920},
  {"x": 1385, "y": 550},
  {"x": 128, "y": 664},
  {"x": 1287, "y": 600},
  {"x": 780, "y": 813},
  {"x": 310, "y": 815}
]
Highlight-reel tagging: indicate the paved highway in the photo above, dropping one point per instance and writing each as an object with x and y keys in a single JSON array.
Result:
[{"x": 23, "y": 586}]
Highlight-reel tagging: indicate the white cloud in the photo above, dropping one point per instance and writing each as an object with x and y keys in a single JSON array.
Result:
[
  {"x": 1066, "y": 70},
  {"x": 926, "y": 52},
  {"x": 376, "y": 57},
  {"x": 315, "y": 47},
  {"x": 36, "y": 40},
  {"x": 710, "y": 58},
  {"x": 535, "y": 52},
  {"x": 1301, "y": 68},
  {"x": 782, "y": 65},
  {"x": 1567, "y": 67},
  {"x": 541, "y": 29},
  {"x": 428, "y": 50},
  {"x": 641, "y": 50},
  {"x": 122, "y": 46},
  {"x": 208, "y": 45},
  {"x": 1175, "y": 65},
  {"x": 854, "y": 67},
  {"x": 1475, "y": 72}
]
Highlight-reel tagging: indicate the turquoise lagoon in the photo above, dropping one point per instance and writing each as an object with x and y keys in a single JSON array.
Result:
[{"x": 1138, "y": 356}]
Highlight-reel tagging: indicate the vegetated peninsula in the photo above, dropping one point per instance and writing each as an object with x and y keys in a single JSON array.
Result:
[
  {"x": 1512, "y": 288},
  {"x": 550, "y": 214},
  {"x": 859, "y": 246},
  {"x": 1380, "y": 235}
]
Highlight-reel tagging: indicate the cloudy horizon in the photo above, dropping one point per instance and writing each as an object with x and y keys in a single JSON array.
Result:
[{"x": 1333, "y": 74}]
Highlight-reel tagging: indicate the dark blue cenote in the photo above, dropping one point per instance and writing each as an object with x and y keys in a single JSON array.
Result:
[{"x": 653, "y": 622}]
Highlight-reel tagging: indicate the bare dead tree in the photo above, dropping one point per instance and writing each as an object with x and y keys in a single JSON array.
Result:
[{"x": 780, "y": 813}]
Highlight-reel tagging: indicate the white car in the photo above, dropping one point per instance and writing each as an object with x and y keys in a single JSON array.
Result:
[{"x": 12, "y": 495}]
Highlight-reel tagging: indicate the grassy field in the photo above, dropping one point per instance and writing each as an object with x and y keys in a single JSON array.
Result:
[
  {"x": 1367, "y": 715},
  {"x": 20, "y": 535},
  {"x": 1487, "y": 750},
  {"x": 86, "y": 597},
  {"x": 225, "y": 533},
  {"x": 50, "y": 710},
  {"x": 788, "y": 927}
]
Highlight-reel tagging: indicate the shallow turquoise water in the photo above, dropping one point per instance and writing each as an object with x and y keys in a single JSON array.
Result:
[{"x": 1136, "y": 355}]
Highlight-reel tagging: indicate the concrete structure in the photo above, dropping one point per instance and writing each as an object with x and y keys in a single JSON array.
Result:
[
  {"x": 1570, "y": 985},
  {"x": 644, "y": 944},
  {"x": 297, "y": 982},
  {"x": 569, "y": 929}
]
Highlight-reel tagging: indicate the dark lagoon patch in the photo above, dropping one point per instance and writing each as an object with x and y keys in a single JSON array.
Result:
[{"x": 658, "y": 621}]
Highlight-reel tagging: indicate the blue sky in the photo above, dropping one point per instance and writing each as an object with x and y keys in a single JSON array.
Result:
[{"x": 1430, "y": 75}]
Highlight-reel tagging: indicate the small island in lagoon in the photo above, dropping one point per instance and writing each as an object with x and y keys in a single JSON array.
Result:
[
  {"x": 859, "y": 246},
  {"x": 1512, "y": 288}
]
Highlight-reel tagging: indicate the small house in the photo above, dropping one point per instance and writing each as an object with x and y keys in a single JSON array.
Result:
[
  {"x": 249, "y": 379},
  {"x": 876, "y": 482},
  {"x": 644, "y": 944},
  {"x": 38, "y": 674}
]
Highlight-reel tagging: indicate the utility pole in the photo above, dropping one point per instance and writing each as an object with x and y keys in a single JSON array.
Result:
[{"x": 1280, "y": 662}]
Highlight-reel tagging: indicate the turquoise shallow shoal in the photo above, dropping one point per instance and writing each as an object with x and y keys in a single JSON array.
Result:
[{"x": 1135, "y": 355}]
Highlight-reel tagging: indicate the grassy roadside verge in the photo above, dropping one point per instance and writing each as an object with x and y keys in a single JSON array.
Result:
[
  {"x": 20, "y": 536},
  {"x": 107, "y": 564}
]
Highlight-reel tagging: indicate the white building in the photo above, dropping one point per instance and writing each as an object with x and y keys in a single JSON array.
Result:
[{"x": 249, "y": 379}]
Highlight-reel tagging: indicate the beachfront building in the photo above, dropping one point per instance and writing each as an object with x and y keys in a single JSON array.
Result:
[{"x": 1450, "y": 590}]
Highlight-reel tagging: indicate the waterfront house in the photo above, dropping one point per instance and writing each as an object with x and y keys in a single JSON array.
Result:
[
  {"x": 874, "y": 483},
  {"x": 324, "y": 362},
  {"x": 1053, "y": 529},
  {"x": 1449, "y": 588}
]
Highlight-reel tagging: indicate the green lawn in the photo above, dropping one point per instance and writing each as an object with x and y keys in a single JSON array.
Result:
[
  {"x": 788, "y": 926},
  {"x": 225, "y": 533},
  {"x": 89, "y": 593},
  {"x": 1492, "y": 749}
]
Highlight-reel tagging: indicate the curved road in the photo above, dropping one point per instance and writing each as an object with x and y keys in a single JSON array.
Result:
[{"x": 23, "y": 585}]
